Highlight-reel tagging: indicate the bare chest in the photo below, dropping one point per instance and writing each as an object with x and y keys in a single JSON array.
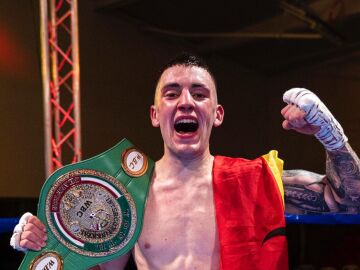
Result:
[{"x": 179, "y": 227}]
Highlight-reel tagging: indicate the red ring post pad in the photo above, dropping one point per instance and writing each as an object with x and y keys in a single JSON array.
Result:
[{"x": 93, "y": 210}]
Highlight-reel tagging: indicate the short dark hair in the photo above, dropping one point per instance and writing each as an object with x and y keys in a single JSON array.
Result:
[{"x": 188, "y": 60}]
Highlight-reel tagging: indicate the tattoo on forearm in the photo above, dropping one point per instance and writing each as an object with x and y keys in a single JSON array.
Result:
[
  {"x": 338, "y": 191},
  {"x": 307, "y": 200},
  {"x": 343, "y": 174}
]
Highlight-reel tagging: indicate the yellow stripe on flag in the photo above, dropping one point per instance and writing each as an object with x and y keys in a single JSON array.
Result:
[{"x": 276, "y": 167}]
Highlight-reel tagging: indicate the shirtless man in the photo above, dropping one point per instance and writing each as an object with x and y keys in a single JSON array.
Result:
[{"x": 180, "y": 229}]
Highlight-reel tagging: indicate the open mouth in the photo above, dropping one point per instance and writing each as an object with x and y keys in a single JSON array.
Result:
[{"x": 186, "y": 126}]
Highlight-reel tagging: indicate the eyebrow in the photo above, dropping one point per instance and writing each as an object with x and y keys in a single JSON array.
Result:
[
  {"x": 171, "y": 85},
  {"x": 193, "y": 85}
]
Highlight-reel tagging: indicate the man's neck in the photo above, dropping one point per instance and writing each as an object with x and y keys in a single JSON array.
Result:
[{"x": 172, "y": 166}]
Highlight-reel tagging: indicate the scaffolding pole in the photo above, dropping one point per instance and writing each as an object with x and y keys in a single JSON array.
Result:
[{"x": 61, "y": 82}]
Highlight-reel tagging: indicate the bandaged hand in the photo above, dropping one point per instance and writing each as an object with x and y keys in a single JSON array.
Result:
[
  {"x": 30, "y": 233},
  {"x": 307, "y": 114}
]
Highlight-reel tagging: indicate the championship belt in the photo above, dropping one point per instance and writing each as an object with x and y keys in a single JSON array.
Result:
[{"x": 93, "y": 210}]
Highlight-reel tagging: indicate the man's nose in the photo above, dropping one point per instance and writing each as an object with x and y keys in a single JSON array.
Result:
[{"x": 186, "y": 100}]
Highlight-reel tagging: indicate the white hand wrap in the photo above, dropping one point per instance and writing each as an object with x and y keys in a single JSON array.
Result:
[
  {"x": 19, "y": 228},
  {"x": 331, "y": 134}
]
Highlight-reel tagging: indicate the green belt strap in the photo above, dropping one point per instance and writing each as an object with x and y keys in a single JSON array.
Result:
[{"x": 93, "y": 210}]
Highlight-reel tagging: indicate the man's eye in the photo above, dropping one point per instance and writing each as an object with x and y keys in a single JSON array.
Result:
[
  {"x": 198, "y": 95},
  {"x": 171, "y": 94}
]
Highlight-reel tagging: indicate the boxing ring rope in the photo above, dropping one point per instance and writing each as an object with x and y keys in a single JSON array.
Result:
[
  {"x": 7, "y": 224},
  {"x": 327, "y": 219}
]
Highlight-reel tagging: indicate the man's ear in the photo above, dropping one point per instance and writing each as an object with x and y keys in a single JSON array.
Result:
[
  {"x": 219, "y": 115},
  {"x": 154, "y": 116}
]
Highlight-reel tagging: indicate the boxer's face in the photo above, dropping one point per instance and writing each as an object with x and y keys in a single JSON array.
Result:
[{"x": 186, "y": 109}]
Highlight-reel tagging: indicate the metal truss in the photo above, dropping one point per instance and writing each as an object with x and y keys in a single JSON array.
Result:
[{"x": 61, "y": 82}]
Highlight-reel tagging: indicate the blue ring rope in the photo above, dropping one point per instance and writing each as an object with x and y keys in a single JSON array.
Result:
[
  {"x": 330, "y": 219},
  {"x": 8, "y": 224}
]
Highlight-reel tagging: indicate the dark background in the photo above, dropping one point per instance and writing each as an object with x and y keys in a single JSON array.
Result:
[{"x": 123, "y": 44}]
